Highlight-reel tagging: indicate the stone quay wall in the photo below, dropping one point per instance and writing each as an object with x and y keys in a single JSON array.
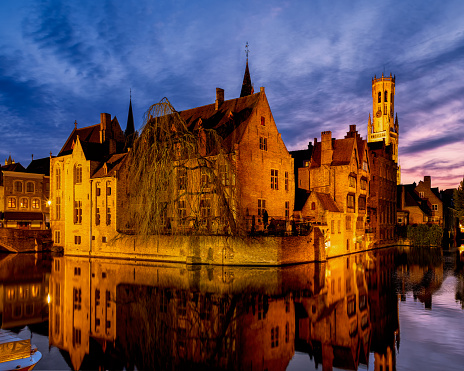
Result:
[{"x": 24, "y": 240}]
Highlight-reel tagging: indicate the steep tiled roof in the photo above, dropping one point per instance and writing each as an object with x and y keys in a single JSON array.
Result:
[
  {"x": 113, "y": 164},
  {"x": 342, "y": 151},
  {"x": 327, "y": 202},
  {"x": 39, "y": 166},
  {"x": 14, "y": 167},
  {"x": 229, "y": 120},
  {"x": 89, "y": 134}
]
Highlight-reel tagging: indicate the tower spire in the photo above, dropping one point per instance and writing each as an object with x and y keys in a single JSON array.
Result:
[
  {"x": 130, "y": 129},
  {"x": 247, "y": 88}
]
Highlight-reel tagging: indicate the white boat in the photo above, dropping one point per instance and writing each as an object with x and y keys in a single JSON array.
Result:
[{"x": 17, "y": 354}]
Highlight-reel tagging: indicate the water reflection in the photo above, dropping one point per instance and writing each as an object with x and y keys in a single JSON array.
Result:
[
  {"x": 159, "y": 316},
  {"x": 343, "y": 313}
]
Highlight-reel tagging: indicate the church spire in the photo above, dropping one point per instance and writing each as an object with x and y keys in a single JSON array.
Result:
[
  {"x": 130, "y": 129},
  {"x": 247, "y": 88}
]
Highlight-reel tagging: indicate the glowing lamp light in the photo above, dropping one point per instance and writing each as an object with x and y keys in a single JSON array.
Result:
[
  {"x": 49, "y": 299},
  {"x": 49, "y": 202}
]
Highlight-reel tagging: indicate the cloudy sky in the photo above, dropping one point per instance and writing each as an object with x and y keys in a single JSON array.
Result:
[{"x": 66, "y": 61}]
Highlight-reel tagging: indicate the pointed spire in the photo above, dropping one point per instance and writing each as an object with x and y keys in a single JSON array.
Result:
[
  {"x": 130, "y": 129},
  {"x": 369, "y": 125},
  {"x": 396, "y": 123},
  {"x": 247, "y": 88}
]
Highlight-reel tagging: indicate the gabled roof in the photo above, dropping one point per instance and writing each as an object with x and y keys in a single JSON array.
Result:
[
  {"x": 39, "y": 166},
  {"x": 327, "y": 202},
  {"x": 342, "y": 152},
  {"x": 89, "y": 134},
  {"x": 229, "y": 120},
  {"x": 14, "y": 167},
  {"x": 112, "y": 165}
]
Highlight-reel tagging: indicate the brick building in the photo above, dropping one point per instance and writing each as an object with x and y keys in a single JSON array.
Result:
[
  {"x": 24, "y": 195},
  {"x": 333, "y": 190}
]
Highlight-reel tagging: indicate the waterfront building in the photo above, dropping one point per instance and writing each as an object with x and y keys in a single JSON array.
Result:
[
  {"x": 24, "y": 195},
  {"x": 85, "y": 152},
  {"x": 335, "y": 183}
]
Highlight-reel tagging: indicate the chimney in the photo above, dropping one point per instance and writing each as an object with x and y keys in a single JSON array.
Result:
[
  {"x": 105, "y": 124},
  {"x": 219, "y": 98},
  {"x": 428, "y": 181},
  {"x": 326, "y": 148}
]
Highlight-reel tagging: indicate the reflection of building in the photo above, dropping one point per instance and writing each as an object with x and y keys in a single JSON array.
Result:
[
  {"x": 23, "y": 290},
  {"x": 154, "y": 314},
  {"x": 334, "y": 324},
  {"x": 24, "y": 194}
]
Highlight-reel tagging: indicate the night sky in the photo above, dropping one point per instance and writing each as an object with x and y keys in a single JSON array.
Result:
[{"x": 66, "y": 61}]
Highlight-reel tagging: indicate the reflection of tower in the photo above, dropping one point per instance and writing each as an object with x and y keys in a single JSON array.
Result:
[{"x": 384, "y": 126}]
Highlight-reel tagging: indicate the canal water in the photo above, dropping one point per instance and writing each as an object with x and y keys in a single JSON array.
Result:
[{"x": 386, "y": 309}]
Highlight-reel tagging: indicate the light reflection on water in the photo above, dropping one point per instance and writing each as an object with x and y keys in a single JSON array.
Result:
[{"x": 384, "y": 310}]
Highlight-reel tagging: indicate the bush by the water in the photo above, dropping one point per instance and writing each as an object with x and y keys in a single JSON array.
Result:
[{"x": 425, "y": 235}]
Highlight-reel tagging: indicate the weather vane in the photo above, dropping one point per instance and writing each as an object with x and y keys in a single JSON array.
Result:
[{"x": 247, "y": 50}]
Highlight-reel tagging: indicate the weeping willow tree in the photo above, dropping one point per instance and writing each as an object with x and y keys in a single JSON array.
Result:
[{"x": 179, "y": 180}]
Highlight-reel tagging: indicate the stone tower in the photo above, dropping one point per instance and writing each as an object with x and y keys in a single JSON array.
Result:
[{"x": 384, "y": 125}]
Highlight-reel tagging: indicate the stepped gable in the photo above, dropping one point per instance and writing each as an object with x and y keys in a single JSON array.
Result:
[
  {"x": 342, "y": 151},
  {"x": 14, "y": 167},
  {"x": 229, "y": 120}
]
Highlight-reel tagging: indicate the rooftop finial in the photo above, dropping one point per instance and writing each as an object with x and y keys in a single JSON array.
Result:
[
  {"x": 247, "y": 50},
  {"x": 75, "y": 124}
]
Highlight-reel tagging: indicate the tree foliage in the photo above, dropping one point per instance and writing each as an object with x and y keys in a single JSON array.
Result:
[
  {"x": 459, "y": 201},
  {"x": 178, "y": 180}
]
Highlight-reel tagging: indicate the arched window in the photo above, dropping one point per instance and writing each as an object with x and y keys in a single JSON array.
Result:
[
  {"x": 380, "y": 98},
  {"x": 18, "y": 186},
  {"x": 78, "y": 174},
  {"x": 386, "y": 96},
  {"x": 58, "y": 177},
  {"x": 30, "y": 187}
]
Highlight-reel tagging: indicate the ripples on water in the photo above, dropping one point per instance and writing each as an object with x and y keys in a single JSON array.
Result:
[{"x": 383, "y": 310}]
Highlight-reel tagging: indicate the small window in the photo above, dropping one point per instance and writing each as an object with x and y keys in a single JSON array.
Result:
[
  {"x": 18, "y": 186},
  {"x": 78, "y": 174},
  {"x": 435, "y": 207},
  {"x": 313, "y": 206},
  {"x": 274, "y": 179},
  {"x": 108, "y": 190},
  {"x": 98, "y": 191},
  {"x": 379, "y": 100},
  {"x": 77, "y": 240},
  {"x": 36, "y": 203},
  {"x": 104, "y": 239},
  {"x": 263, "y": 121},
  {"x": 263, "y": 143},
  {"x": 30, "y": 187},
  {"x": 24, "y": 204}
]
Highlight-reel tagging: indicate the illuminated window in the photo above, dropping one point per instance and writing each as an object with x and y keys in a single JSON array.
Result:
[
  {"x": 351, "y": 305},
  {"x": 18, "y": 186},
  {"x": 30, "y": 187},
  {"x": 421, "y": 194},
  {"x": 36, "y": 203},
  {"x": 274, "y": 179},
  {"x": 12, "y": 202},
  {"x": 78, "y": 174},
  {"x": 24, "y": 203}
]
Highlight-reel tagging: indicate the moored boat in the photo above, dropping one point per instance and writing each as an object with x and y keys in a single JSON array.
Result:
[{"x": 16, "y": 353}]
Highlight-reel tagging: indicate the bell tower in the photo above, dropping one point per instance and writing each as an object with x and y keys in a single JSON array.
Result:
[{"x": 384, "y": 125}]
